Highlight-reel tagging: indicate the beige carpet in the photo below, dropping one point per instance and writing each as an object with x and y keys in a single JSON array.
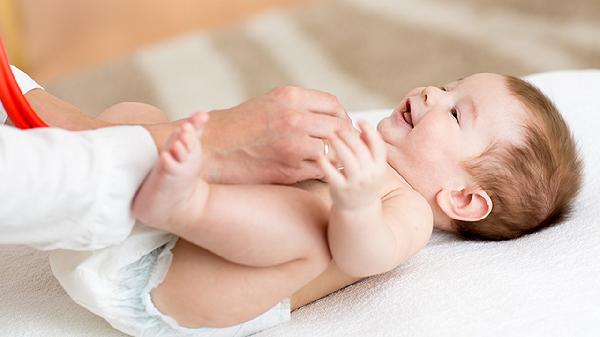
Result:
[{"x": 368, "y": 53}]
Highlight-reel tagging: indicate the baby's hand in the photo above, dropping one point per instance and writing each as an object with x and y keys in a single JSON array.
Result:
[{"x": 363, "y": 157}]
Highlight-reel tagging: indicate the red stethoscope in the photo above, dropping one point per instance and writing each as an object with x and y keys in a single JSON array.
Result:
[{"x": 18, "y": 109}]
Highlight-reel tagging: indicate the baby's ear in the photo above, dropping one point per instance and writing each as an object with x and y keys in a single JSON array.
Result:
[{"x": 465, "y": 204}]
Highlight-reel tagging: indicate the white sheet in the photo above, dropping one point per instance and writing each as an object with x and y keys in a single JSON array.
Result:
[{"x": 546, "y": 284}]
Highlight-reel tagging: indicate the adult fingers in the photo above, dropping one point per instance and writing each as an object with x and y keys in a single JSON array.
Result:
[
  {"x": 309, "y": 100},
  {"x": 323, "y": 103},
  {"x": 306, "y": 170},
  {"x": 312, "y": 148},
  {"x": 321, "y": 126}
]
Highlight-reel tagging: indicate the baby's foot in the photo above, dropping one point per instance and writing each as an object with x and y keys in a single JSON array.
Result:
[{"x": 174, "y": 193}]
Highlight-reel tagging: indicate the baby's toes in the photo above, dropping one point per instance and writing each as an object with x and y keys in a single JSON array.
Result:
[
  {"x": 189, "y": 137},
  {"x": 179, "y": 151},
  {"x": 173, "y": 137},
  {"x": 167, "y": 164},
  {"x": 198, "y": 120}
]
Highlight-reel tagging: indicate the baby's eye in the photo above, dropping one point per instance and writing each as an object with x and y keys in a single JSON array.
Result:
[
  {"x": 443, "y": 88},
  {"x": 454, "y": 113}
]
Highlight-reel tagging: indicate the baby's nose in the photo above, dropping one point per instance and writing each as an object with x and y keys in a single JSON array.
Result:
[{"x": 431, "y": 94}]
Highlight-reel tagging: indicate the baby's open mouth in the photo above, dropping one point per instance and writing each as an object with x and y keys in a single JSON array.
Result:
[{"x": 406, "y": 115}]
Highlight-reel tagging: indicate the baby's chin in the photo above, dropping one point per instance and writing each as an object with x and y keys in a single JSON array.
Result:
[
  {"x": 384, "y": 125},
  {"x": 390, "y": 129},
  {"x": 380, "y": 123}
]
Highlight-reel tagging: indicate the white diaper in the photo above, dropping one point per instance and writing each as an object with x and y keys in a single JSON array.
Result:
[{"x": 115, "y": 283}]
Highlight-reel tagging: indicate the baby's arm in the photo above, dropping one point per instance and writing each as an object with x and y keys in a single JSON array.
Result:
[
  {"x": 368, "y": 235},
  {"x": 376, "y": 238}
]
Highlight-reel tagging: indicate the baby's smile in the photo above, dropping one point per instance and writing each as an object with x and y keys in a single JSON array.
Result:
[{"x": 402, "y": 114}]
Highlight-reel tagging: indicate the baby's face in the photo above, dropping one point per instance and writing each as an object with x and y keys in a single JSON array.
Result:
[{"x": 434, "y": 130}]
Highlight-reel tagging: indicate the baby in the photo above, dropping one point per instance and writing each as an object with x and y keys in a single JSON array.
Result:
[{"x": 487, "y": 157}]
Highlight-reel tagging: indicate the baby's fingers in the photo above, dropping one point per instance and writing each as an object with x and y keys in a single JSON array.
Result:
[
  {"x": 345, "y": 156},
  {"x": 374, "y": 141},
  {"x": 354, "y": 141},
  {"x": 333, "y": 176}
]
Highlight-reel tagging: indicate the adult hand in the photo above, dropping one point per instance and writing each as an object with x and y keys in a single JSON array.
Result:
[{"x": 273, "y": 138}]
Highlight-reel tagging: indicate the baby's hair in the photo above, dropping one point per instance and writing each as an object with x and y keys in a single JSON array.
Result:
[{"x": 532, "y": 185}]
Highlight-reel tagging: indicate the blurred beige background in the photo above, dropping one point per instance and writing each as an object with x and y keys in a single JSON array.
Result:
[
  {"x": 188, "y": 55},
  {"x": 53, "y": 37}
]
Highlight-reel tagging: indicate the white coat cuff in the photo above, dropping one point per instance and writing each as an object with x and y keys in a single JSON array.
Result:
[
  {"x": 129, "y": 155},
  {"x": 26, "y": 84}
]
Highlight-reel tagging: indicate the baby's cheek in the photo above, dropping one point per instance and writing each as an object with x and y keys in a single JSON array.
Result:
[
  {"x": 434, "y": 135},
  {"x": 475, "y": 144},
  {"x": 421, "y": 148},
  {"x": 443, "y": 127},
  {"x": 439, "y": 146}
]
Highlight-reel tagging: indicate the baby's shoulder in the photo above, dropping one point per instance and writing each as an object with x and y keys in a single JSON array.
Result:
[
  {"x": 408, "y": 207},
  {"x": 410, "y": 217},
  {"x": 407, "y": 196}
]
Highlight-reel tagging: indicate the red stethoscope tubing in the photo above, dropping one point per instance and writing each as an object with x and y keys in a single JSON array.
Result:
[{"x": 18, "y": 109}]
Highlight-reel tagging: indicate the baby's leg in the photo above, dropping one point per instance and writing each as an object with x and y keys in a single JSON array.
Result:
[
  {"x": 254, "y": 225},
  {"x": 202, "y": 289}
]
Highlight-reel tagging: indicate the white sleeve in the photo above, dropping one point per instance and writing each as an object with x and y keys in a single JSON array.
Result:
[
  {"x": 26, "y": 84},
  {"x": 71, "y": 190}
]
